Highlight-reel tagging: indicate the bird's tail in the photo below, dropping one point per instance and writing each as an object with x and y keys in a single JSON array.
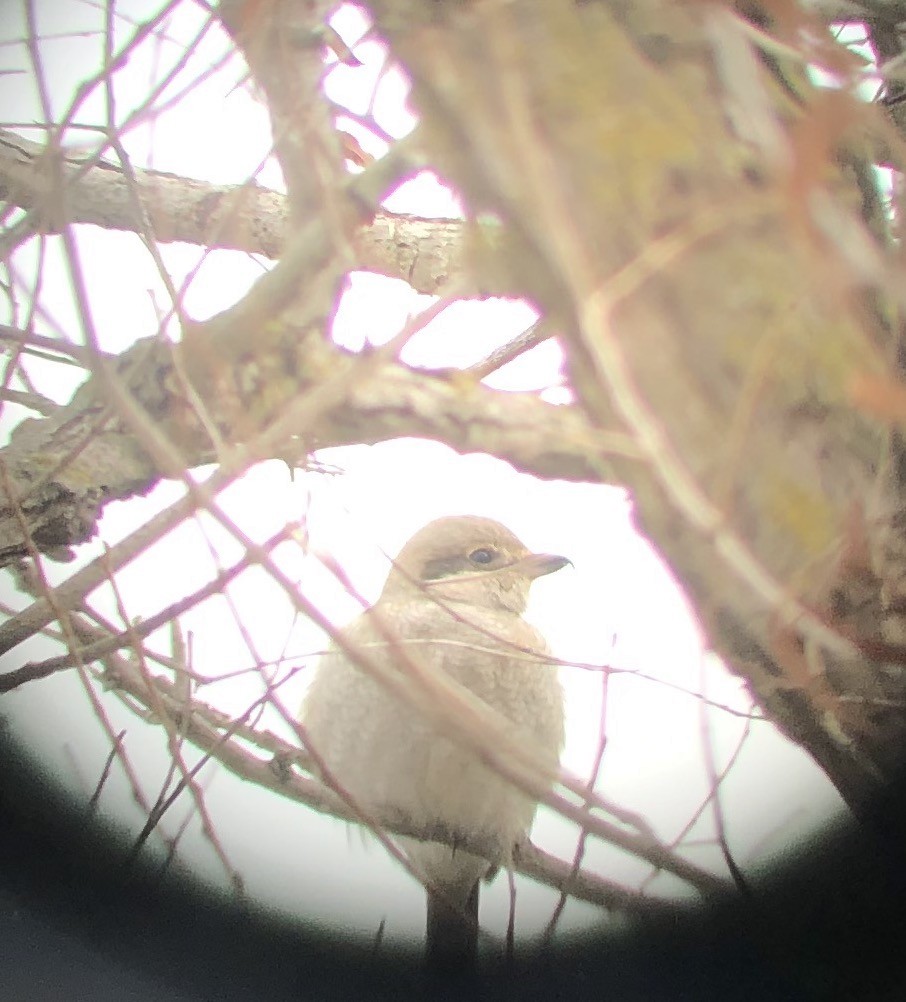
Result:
[{"x": 451, "y": 940}]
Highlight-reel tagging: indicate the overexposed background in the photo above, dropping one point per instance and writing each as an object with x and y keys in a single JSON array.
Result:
[{"x": 618, "y": 606}]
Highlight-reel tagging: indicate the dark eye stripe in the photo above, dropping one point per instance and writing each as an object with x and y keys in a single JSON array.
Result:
[{"x": 444, "y": 567}]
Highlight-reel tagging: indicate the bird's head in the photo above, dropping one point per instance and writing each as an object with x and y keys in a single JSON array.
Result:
[{"x": 469, "y": 559}]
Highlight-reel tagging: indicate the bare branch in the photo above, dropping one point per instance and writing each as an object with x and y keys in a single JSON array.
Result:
[{"x": 426, "y": 253}]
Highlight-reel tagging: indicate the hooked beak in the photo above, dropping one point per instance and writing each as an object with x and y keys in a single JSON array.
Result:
[{"x": 536, "y": 565}]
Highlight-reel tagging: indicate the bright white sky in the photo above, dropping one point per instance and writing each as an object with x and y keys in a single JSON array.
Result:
[{"x": 618, "y": 606}]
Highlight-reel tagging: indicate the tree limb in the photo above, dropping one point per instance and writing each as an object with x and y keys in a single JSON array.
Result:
[{"x": 645, "y": 198}]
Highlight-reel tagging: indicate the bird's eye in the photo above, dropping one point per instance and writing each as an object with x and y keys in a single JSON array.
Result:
[{"x": 482, "y": 556}]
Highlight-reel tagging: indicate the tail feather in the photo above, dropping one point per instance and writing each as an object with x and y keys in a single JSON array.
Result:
[{"x": 451, "y": 941}]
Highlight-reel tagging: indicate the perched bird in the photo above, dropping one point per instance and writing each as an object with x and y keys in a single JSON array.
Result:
[{"x": 453, "y": 602}]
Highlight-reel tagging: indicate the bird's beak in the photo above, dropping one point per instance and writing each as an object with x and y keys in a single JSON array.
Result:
[{"x": 536, "y": 565}]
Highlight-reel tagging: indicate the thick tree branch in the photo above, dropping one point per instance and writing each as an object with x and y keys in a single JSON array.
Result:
[
  {"x": 646, "y": 197},
  {"x": 66, "y": 467},
  {"x": 246, "y": 217},
  {"x": 426, "y": 253}
]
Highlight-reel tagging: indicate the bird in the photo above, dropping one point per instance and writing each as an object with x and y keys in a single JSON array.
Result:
[{"x": 454, "y": 601}]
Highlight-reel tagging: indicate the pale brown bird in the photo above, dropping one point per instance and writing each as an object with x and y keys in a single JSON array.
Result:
[{"x": 455, "y": 599}]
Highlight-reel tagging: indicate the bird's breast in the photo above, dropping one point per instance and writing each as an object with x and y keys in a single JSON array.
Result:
[{"x": 387, "y": 754}]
